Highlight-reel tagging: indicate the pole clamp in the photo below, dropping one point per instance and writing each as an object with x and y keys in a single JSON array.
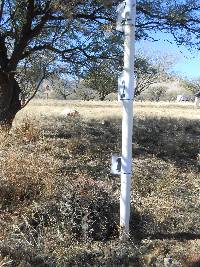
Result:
[
  {"x": 125, "y": 16},
  {"x": 124, "y": 93}
]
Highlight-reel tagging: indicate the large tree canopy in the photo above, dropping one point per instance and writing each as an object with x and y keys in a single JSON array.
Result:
[
  {"x": 76, "y": 33},
  {"x": 181, "y": 18}
]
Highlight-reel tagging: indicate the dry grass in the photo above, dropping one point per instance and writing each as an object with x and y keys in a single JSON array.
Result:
[
  {"x": 107, "y": 109},
  {"x": 59, "y": 202}
]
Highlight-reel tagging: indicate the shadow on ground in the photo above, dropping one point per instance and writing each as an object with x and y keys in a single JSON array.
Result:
[{"x": 171, "y": 139}]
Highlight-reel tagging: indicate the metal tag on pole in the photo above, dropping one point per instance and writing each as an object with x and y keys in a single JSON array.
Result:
[{"x": 126, "y": 23}]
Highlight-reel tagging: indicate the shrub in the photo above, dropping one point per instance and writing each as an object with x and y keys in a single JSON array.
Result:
[
  {"x": 24, "y": 177},
  {"x": 27, "y": 131}
]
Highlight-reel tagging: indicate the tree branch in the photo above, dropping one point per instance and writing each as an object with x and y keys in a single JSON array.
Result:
[
  {"x": 3, "y": 53},
  {"x": 1, "y": 9},
  {"x": 27, "y": 34},
  {"x": 36, "y": 89}
]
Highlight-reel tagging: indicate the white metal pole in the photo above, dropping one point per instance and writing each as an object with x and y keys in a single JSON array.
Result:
[{"x": 127, "y": 119}]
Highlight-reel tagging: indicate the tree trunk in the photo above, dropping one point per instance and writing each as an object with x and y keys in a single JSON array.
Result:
[
  {"x": 9, "y": 99},
  {"x": 102, "y": 96}
]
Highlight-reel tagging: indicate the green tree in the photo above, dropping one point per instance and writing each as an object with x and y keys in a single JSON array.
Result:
[
  {"x": 150, "y": 70},
  {"x": 145, "y": 74},
  {"x": 102, "y": 79},
  {"x": 61, "y": 86},
  {"x": 157, "y": 93},
  {"x": 191, "y": 86},
  {"x": 30, "y": 76},
  {"x": 73, "y": 32}
]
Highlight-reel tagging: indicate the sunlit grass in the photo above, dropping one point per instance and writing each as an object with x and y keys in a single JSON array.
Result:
[{"x": 108, "y": 110}]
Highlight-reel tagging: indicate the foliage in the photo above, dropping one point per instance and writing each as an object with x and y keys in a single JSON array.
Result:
[
  {"x": 85, "y": 93},
  {"x": 192, "y": 86},
  {"x": 150, "y": 70},
  {"x": 62, "y": 87},
  {"x": 102, "y": 78},
  {"x": 71, "y": 88},
  {"x": 76, "y": 33},
  {"x": 180, "y": 18},
  {"x": 146, "y": 74},
  {"x": 156, "y": 93}
]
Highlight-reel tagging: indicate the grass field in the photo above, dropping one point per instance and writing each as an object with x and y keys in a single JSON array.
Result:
[
  {"x": 60, "y": 205},
  {"x": 103, "y": 110}
]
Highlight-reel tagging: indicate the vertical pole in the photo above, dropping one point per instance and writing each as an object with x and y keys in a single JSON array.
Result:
[{"x": 127, "y": 119}]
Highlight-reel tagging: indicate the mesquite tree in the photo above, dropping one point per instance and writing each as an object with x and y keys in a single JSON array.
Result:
[
  {"x": 73, "y": 33},
  {"x": 102, "y": 79}
]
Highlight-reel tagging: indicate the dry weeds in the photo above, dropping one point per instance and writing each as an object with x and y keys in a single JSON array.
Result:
[{"x": 59, "y": 202}]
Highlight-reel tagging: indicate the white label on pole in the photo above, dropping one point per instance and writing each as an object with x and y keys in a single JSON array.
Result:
[
  {"x": 124, "y": 93},
  {"x": 116, "y": 164},
  {"x": 126, "y": 16}
]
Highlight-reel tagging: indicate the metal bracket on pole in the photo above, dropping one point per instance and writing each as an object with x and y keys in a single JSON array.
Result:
[
  {"x": 125, "y": 16},
  {"x": 116, "y": 164},
  {"x": 124, "y": 93}
]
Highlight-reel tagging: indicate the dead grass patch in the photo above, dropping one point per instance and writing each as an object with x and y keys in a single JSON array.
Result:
[{"x": 60, "y": 204}]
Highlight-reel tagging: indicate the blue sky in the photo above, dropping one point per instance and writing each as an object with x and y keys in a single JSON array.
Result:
[{"x": 187, "y": 63}]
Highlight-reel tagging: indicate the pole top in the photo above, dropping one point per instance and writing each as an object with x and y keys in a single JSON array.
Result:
[{"x": 126, "y": 14}]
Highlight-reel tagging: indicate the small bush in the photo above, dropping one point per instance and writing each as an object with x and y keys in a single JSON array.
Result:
[
  {"x": 24, "y": 178},
  {"x": 85, "y": 210},
  {"x": 27, "y": 131}
]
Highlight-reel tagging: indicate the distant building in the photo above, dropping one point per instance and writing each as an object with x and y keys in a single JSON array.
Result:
[
  {"x": 47, "y": 91},
  {"x": 197, "y": 94},
  {"x": 182, "y": 98},
  {"x": 197, "y": 99},
  {"x": 46, "y": 88}
]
